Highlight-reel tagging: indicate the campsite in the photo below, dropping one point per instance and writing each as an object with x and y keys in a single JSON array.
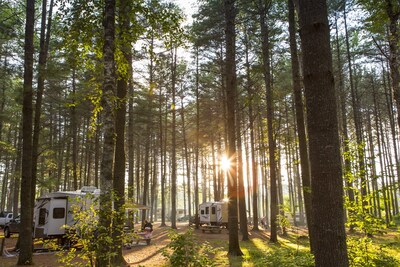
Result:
[
  {"x": 200, "y": 133},
  {"x": 291, "y": 251}
]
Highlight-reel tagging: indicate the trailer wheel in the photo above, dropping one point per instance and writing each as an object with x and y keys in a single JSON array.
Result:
[{"x": 7, "y": 233}]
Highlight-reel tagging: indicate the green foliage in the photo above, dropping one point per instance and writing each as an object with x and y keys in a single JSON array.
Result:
[
  {"x": 359, "y": 210},
  {"x": 361, "y": 217},
  {"x": 362, "y": 253},
  {"x": 84, "y": 237},
  {"x": 282, "y": 219},
  {"x": 290, "y": 251},
  {"x": 288, "y": 258},
  {"x": 82, "y": 234},
  {"x": 396, "y": 219},
  {"x": 185, "y": 250},
  {"x": 6, "y": 147}
]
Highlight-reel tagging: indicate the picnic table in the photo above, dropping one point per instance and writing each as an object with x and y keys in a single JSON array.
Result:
[
  {"x": 140, "y": 236},
  {"x": 146, "y": 236}
]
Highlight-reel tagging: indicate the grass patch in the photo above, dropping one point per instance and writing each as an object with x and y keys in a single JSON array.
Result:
[
  {"x": 380, "y": 250},
  {"x": 293, "y": 251},
  {"x": 290, "y": 252}
]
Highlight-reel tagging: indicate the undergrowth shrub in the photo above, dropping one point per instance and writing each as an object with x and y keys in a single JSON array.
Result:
[
  {"x": 79, "y": 241},
  {"x": 286, "y": 257},
  {"x": 396, "y": 220},
  {"x": 362, "y": 253},
  {"x": 185, "y": 250},
  {"x": 83, "y": 238}
]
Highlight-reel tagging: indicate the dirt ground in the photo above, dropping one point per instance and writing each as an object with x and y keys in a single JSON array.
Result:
[{"x": 137, "y": 255}]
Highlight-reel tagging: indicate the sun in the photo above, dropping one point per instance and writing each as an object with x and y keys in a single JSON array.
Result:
[{"x": 225, "y": 163}]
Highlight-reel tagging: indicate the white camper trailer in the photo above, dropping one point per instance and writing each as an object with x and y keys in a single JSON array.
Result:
[
  {"x": 214, "y": 213},
  {"x": 54, "y": 210}
]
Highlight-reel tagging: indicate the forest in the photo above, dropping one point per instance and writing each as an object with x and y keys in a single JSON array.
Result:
[{"x": 286, "y": 110}]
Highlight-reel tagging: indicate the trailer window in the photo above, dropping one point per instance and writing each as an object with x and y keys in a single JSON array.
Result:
[
  {"x": 207, "y": 210},
  {"x": 212, "y": 210},
  {"x": 58, "y": 213},
  {"x": 42, "y": 216},
  {"x": 202, "y": 211}
]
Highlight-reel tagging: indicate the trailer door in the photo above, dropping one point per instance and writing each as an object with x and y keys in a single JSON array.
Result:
[
  {"x": 204, "y": 213},
  {"x": 57, "y": 217},
  {"x": 213, "y": 214}
]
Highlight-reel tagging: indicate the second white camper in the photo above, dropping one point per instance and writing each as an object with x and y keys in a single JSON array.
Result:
[{"x": 214, "y": 213}]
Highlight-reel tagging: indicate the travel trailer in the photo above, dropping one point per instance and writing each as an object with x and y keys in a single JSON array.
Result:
[
  {"x": 214, "y": 213},
  {"x": 54, "y": 210}
]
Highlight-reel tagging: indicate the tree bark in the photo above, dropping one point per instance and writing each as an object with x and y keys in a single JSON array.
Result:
[
  {"x": 263, "y": 10},
  {"x": 74, "y": 131},
  {"x": 241, "y": 191},
  {"x": 324, "y": 147},
  {"x": 17, "y": 174},
  {"x": 187, "y": 160},
  {"x": 197, "y": 149},
  {"x": 162, "y": 157},
  {"x": 357, "y": 119},
  {"x": 344, "y": 130},
  {"x": 173, "y": 145},
  {"x": 230, "y": 36},
  {"x": 301, "y": 131},
  {"x": 44, "y": 47},
  {"x": 26, "y": 244},
  {"x": 131, "y": 148},
  {"x": 120, "y": 121},
  {"x": 103, "y": 256},
  {"x": 393, "y": 39},
  {"x": 254, "y": 171}
]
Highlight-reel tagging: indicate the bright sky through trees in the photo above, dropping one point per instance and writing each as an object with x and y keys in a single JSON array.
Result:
[{"x": 188, "y": 7}]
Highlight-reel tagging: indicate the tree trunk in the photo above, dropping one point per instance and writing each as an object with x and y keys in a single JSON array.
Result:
[
  {"x": 120, "y": 114},
  {"x": 187, "y": 160},
  {"x": 374, "y": 175},
  {"x": 221, "y": 176},
  {"x": 67, "y": 165},
  {"x": 324, "y": 147},
  {"x": 149, "y": 129},
  {"x": 26, "y": 244},
  {"x": 17, "y": 178},
  {"x": 162, "y": 157},
  {"x": 357, "y": 120},
  {"x": 393, "y": 55},
  {"x": 390, "y": 108},
  {"x": 264, "y": 168},
  {"x": 214, "y": 168},
  {"x": 164, "y": 167},
  {"x": 254, "y": 171},
  {"x": 196, "y": 177},
  {"x": 131, "y": 148},
  {"x": 74, "y": 131},
  {"x": 97, "y": 154},
  {"x": 241, "y": 191},
  {"x": 230, "y": 14},
  {"x": 345, "y": 145},
  {"x": 173, "y": 145},
  {"x": 263, "y": 10},
  {"x": 44, "y": 46},
  {"x": 301, "y": 131},
  {"x": 103, "y": 256}
]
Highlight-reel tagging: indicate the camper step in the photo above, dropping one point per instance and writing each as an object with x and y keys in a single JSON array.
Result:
[{"x": 211, "y": 228}]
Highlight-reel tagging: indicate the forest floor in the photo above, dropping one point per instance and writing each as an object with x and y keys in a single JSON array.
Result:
[
  {"x": 138, "y": 255},
  {"x": 292, "y": 249}
]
